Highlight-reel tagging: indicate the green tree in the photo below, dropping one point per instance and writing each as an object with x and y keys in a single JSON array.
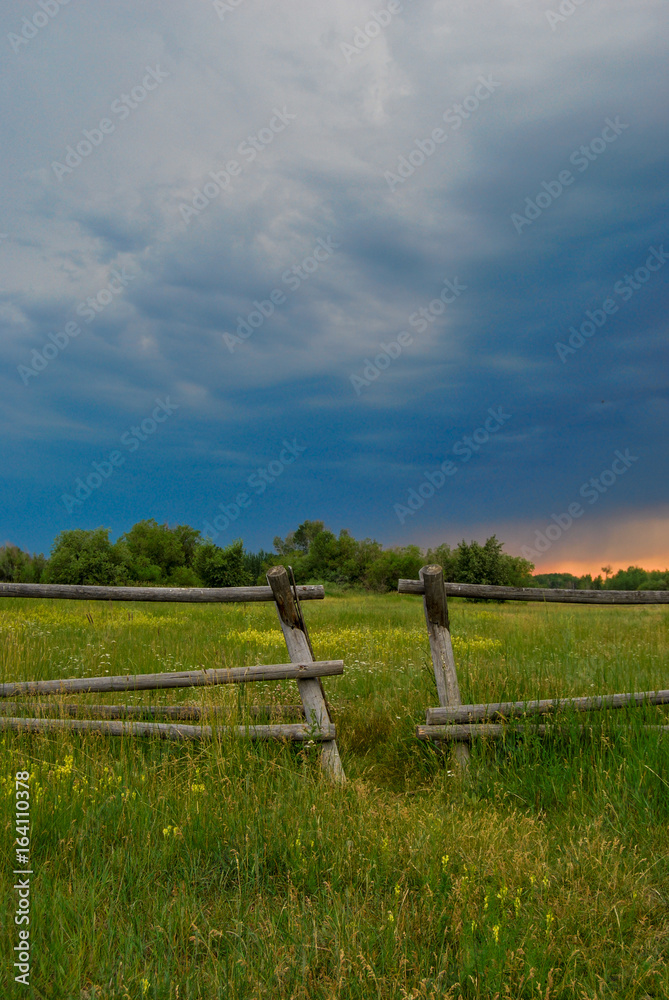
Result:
[
  {"x": 218, "y": 567},
  {"x": 17, "y": 566},
  {"x": 358, "y": 559},
  {"x": 518, "y": 571},
  {"x": 333, "y": 559},
  {"x": 488, "y": 564},
  {"x": 189, "y": 539},
  {"x": 183, "y": 576},
  {"x": 393, "y": 565},
  {"x": 322, "y": 558},
  {"x": 586, "y": 582},
  {"x": 556, "y": 581},
  {"x": 299, "y": 540},
  {"x": 307, "y": 532},
  {"x": 311, "y": 550},
  {"x": 632, "y": 578},
  {"x": 256, "y": 565},
  {"x": 443, "y": 556},
  {"x": 87, "y": 557},
  {"x": 157, "y": 551},
  {"x": 657, "y": 580}
]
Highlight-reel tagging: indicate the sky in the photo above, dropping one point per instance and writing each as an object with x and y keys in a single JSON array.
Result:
[{"x": 402, "y": 268}]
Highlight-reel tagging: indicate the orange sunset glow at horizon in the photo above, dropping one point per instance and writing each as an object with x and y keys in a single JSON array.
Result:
[{"x": 638, "y": 538}]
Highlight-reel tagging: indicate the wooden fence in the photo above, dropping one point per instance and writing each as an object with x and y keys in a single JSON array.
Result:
[
  {"x": 306, "y": 671},
  {"x": 450, "y": 721},
  {"x": 454, "y": 721}
]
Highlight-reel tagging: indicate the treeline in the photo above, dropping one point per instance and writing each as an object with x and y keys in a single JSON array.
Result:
[
  {"x": 150, "y": 554},
  {"x": 632, "y": 578},
  {"x": 317, "y": 555},
  {"x": 153, "y": 554}
]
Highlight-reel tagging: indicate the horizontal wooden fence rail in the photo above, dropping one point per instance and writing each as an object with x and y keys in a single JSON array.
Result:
[
  {"x": 484, "y": 591},
  {"x": 180, "y": 679},
  {"x": 497, "y": 730},
  {"x": 513, "y": 709},
  {"x": 183, "y": 713},
  {"x": 465, "y": 733},
  {"x": 299, "y": 731},
  {"x": 181, "y": 595}
]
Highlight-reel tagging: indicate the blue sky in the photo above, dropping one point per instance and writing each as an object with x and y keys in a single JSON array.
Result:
[{"x": 402, "y": 268}]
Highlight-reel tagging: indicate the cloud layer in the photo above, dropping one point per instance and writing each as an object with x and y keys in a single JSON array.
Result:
[{"x": 358, "y": 231}]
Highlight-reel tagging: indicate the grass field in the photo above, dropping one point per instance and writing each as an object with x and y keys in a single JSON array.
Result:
[{"x": 229, "y": 870}]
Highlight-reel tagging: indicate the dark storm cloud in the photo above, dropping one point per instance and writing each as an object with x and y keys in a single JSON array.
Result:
[{"x": 338, "y": 145}]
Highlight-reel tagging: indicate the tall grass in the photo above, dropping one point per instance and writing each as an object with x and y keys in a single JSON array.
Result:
[{"x": 233, "y": 870}]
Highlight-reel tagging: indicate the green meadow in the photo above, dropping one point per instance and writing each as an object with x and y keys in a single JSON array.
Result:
[{"x": 234, "y": 870}]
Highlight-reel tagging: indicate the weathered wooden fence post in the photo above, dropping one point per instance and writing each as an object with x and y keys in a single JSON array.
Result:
[
  {"x": 311, "y": 690},
  {"x": 443, "y": 661}
]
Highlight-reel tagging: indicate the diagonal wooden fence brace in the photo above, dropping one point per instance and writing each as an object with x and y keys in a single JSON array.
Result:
[
  {"x": 441, "y": 647},
  {"x": 311, "y": 690}
]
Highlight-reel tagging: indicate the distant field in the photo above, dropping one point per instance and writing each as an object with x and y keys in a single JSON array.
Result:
[{"x": 227, "y": 870}]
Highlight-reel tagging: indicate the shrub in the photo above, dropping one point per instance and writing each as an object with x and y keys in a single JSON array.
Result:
[{"x": 218, "y": 567}]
